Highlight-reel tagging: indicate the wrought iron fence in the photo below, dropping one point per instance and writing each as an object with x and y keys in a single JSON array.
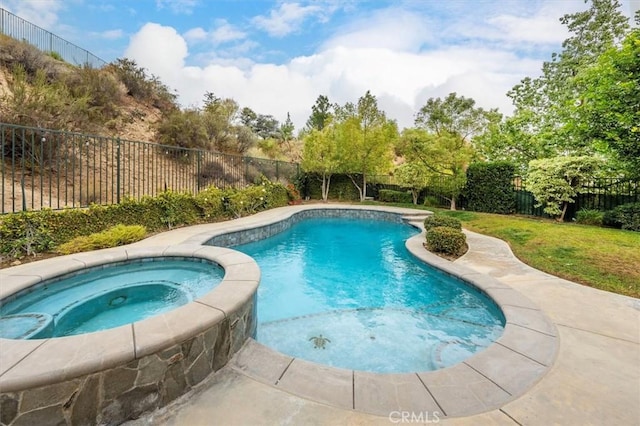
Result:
[
  {"x": 16, "y": 27},
  {"x": 58, "y": 169},
  {"x": 598, "y": 194}
]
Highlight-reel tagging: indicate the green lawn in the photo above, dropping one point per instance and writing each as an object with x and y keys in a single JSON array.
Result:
[{"x": 608, "y": 259}]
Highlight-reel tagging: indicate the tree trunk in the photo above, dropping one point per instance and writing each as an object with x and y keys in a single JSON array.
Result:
[
  {"x": 363, "y": 192},
  {"x": 565, "y": 205},
  {"x": 453, "y": 203},
  {"x": 326, "y": 182},
  {"x": 414, "y": 194}
]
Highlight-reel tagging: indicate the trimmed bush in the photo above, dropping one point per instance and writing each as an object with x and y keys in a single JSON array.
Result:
[
  {"x": 210, "y": 203},
  {"x": 625, "y": 216},
  {"x": 437, "y": 220},
  {"x": 392, "y": 196},
  {"x": 443, "y": 239},
  {"x": 113, "y": 237},
  {"x": 489, "y": 187},
  {"x": 589, "y": 217}
]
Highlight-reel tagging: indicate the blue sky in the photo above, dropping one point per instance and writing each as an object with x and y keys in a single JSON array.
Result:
[{"x": 278, "y": 56}]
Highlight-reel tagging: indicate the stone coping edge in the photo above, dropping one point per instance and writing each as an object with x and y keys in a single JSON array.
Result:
[{"x": 26, "y": 364}]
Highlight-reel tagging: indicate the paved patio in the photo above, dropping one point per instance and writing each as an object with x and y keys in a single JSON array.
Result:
[{"x": 595, "y": 379}]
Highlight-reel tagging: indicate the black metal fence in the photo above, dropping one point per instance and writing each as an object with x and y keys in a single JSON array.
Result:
[
  {"x": 598, "y": 194},
  {"x": 16, "y": 27},
  {"x": 58, "y": 169}
]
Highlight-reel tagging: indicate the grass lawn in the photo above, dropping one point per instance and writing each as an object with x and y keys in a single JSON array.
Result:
[{"x": 604, "y": 258}]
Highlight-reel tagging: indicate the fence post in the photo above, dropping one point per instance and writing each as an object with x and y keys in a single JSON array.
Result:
[
  {"x": 198, "y": 171},
  {"x": 277, "y": 170},
  {"x": 118, "y": 170}
]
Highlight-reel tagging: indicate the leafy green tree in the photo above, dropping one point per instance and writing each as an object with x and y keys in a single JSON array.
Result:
[
  {"x": 366, "y": 139},
  {"x": 183, "y": 129},
  {"x": 413, "y": 176},
  {"x": 218, "y": 116},
  {"x": 442, "y": 141},
  {"x": 320, "y": 114},
  {"x": 286, "y": 129},
  {"x": 443, "y": 158},
  {"x": 542, "y": 103},
  {"x": 608, "y": 114},
  {"x": 321, "y": 156},
  {"x": 555, "y": 182},
  {"x": 248, "y": 117},
  {"x": 453, "y": 115}
]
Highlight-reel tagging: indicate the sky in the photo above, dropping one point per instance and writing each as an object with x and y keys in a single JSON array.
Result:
[{"x": 277, "y": 56}]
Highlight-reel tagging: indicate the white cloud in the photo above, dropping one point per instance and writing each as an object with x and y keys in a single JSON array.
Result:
[
  {"x": 285, "y": 19},
  {"x": 387, "y": 28},
  {"x": 111, "y": 34},
  {"x": 184, "y": 7},
  {"x": 195, "y": 34},
  {"x": 396, "y": 54},
  {"x": 144, "y": 47},
  {"x": 225, "y": 32},
  {"x": 41, "y": 13}
]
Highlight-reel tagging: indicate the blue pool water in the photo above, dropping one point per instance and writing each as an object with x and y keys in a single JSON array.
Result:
[
  {"x": 347, "y": 293},
  {"x": 106, "y": 297}
]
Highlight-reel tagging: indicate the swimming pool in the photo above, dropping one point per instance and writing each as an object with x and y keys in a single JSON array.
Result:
[{"x": 346, "y": 293}]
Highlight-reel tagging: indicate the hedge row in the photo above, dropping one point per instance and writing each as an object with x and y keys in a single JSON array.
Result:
[
  {"x": 27, "y": 233},
  {"x": 392, "y": 196},
  {"x": 489, "y": 187}
]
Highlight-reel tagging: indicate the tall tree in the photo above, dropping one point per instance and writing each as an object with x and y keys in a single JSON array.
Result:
[
  {"x": 321, "y": 155},
  {"x": 542, "y": 102},
  {"x": 442, "y": 158},
  {"x": 608, "y": 114},
  {"x": 286, "y": 129},
  {"x": 366, "y": 138},
  {"x": 453, "y": 115},
  {"x": 443, "y": 140},
  {"x": 320, "y": 114},
  {"x": 218, "y": 118}
]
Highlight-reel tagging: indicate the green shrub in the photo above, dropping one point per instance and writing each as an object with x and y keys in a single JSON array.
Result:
[
  {"x": 184, "y": 129},
  {"x": 437, "y": 220},
  {"x": 56, "y": 56},
  {"x": 392, "y": 196},
  {"x": 589, "y": 217},
  {"x": 431, "y": 201},
  {"x": 113, "y": 237},
  {"x": 443, "y": 239},
  {"x": 25, "y": 233},
  {"x": 246, "y": 201},
  {"x": 143, "y": 86},
  {"x": 210, "y": 203},
  {"x": 489, "y": 187},
  {"x": 625, "y": 216},
  {"x": 176, "y": 208}
]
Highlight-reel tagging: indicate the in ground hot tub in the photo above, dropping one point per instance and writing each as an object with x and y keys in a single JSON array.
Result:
[{"x": 163, "y": 336}]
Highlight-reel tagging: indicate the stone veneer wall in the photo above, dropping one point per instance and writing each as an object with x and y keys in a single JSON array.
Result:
[
  {"x": 259, "y": 233},
  {"x": 125, "y": 392}
]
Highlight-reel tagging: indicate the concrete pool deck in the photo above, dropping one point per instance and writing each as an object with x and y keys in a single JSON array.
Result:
[{"x": 595, "y": 378}]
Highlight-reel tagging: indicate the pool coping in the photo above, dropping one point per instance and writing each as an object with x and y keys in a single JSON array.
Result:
[
  {"x": 501, "y": 373},
  {"x": 489, "y": 379},
  {"x": 26, "y": 364}
]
